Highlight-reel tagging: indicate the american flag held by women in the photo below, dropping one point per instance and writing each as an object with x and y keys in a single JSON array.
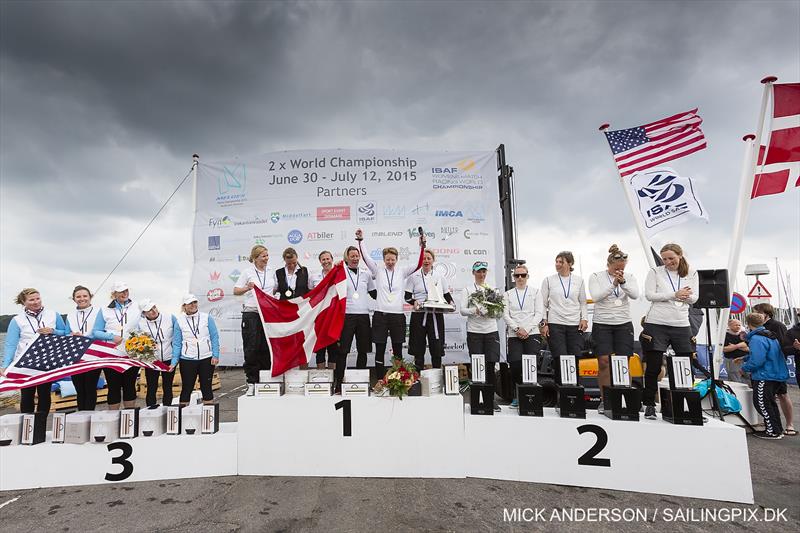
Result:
[{"x": 55, "y": 357}]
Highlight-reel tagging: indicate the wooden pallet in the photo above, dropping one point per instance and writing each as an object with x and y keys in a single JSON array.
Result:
[{"x": 176, "y": 386}]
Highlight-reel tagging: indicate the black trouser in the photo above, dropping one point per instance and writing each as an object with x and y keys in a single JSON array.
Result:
[
  {"x": 423, "y": 330},
  {"x": 152, "y": 376},
  {"x": 765, "y": 404},
  {"x": 380, "y": 349},
  {"x": 332, "y": 351},
  {"x": 121, "y": 385},
  {"x": 361, "y": 359},
  {"x": 190, "y": 370},
  {"x": 564, "y": 340},
  {"x": 516, "y": 374},
  {"x": 653, "y": 360},
  {"x": 26, "y": 399},
  {"x": 256, "y": 348},
  {"x": 86, "y": 389}
]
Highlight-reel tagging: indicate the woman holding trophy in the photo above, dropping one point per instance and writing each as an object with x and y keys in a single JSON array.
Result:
[{"x": 427, "y": 292}]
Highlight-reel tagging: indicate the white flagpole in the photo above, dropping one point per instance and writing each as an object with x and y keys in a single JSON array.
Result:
[
  {"x": 195, "y": 164},
  {"x": 636, "y": 218},
  {"x": 752, "y": 146}
]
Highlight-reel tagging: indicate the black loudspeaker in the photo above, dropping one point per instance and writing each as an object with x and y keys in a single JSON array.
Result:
[{"x": 714, "y": 290}]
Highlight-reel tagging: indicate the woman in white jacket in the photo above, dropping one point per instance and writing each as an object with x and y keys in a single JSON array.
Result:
[
  {"x": 612, "y": 329},
  {"x": 522, "y": 313},
  {"x": 671, "y": 289},
  {"x": 113, "y": 324}
]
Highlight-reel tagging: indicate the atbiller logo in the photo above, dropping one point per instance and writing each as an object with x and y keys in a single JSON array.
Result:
[
  {"x": 339, "y": 212},
  {"x": 215, "y": 295}
]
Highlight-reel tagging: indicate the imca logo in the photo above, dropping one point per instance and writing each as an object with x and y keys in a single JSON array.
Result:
[
  {"x": 215, "y": 295},
  {"x": 449, "y": 213},
  {"x": 295, "y": 236},
  {"x": 213, "y": 242}
]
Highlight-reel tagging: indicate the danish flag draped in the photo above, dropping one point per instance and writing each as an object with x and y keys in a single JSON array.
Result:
[
  {"x": 779, "y": 159},
  {"x": 297, "y": 328}
]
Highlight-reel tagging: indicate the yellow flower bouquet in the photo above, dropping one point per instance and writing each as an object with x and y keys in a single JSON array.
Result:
[{"x": 141, "y": 346}]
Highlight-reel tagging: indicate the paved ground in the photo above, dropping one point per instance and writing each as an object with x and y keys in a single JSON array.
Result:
[{"x": 345, "y": 504}]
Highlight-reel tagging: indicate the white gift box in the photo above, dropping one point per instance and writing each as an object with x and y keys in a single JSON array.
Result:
[
  {"x": 129, "y": 423},
  {"x": 318, "y": 389},
  {"x": 530, "y": 372},
  {"x": 356, "y": 375},
  {"x": 265, "y": 376},
  {"x": 173, "y": 419},
  {"x": 320, "y": 376},
  {"x": 59, "y": 428},
  {"x": 269, "y": 389},
  {"x": 451, "y": 382},
  {"x": 355, "y": 389},
  {"x": 478, "y": 368},
  {"x": 431, "y": 384},
  {"x": 191, "y": 419},
  {"x": 294, "y": 388},
  {"x": 105, "y": 426},
  {"x": 10, "y": 429},
  {"x": 153, "y": 421},
  {"x": 78, "y": 427},
  {"x": 296, "y": 375}
]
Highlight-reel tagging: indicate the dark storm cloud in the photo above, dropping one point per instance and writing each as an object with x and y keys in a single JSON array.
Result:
[{"x": 103, "y": 103}]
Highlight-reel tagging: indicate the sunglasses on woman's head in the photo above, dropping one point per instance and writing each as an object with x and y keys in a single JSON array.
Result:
[{"x": 619, "y": 256}]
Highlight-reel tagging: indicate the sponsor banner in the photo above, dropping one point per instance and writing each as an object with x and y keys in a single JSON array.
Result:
[{"x": 314, "y": 200}]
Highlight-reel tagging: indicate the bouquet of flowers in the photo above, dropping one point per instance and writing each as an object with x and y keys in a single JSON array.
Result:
[
  {"x": 489, "y": 299},
  {"x": 141, "y": 346},
  {"x": 398, "y": 379}
]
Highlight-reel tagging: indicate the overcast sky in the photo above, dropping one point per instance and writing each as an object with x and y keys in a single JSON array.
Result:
[{"x": 102, "y": 105}]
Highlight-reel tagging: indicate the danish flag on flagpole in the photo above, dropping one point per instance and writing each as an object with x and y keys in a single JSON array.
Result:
[
  {"x": 779, "y": 158},
  {"x": 296, "y": 329}
]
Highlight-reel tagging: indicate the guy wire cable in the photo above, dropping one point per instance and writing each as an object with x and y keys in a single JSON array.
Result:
[{"x": 160, "y": 209}]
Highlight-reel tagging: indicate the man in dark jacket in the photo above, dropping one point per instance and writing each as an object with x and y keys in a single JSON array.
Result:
[
  {"x": 767, "y": 368},
  {"x": 782, "y": 336}
]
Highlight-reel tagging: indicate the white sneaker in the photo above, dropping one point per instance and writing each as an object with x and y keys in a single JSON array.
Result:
[{"x": 251, "y": 389}]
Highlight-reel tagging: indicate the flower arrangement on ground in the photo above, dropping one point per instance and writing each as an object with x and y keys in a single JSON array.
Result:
[{"x": 398, "y": 379}]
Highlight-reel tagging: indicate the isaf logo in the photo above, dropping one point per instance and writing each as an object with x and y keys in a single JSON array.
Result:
[
  {"x": 366, "y": 211},
  {"x": 662, "y": 190}
]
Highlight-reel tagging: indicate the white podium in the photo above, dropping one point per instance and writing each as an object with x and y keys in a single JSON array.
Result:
[
  {"x": 649, "y": 456},
  {"x": 305, "y": 436},
  {"x": 139, "y": 459}
]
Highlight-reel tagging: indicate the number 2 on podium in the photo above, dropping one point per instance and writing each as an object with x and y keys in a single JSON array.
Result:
[
  {"x": 347, "y": 429},
  {"x": 590, "y": 457}
]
